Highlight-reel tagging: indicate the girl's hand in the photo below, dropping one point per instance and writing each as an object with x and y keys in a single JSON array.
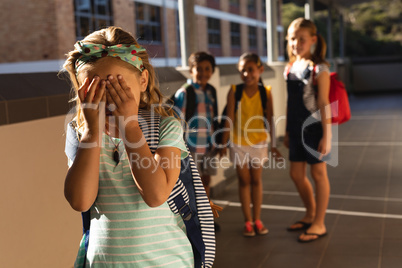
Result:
[
  {"x": 324, "y": 147},
  {"x": 276, "y": 154},
  {"x": 286, "y": 140},
  {"x": 121, "y": 101},
  {"x": 222, "y": 152},
  {"x": 93, "y": 99}
]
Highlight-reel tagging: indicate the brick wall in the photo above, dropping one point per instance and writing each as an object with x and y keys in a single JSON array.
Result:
[
  {"x": 172, "y": 37},
  {"x": 123, "y": 15},
  {"x": 65, "y": 28},
  {"x": 27, "y": 28}
]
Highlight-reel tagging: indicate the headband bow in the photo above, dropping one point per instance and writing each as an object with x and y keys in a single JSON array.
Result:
[{"x": 92, "y": 52}]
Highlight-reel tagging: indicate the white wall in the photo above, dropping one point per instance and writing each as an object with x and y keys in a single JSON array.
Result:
[{"x": 38, "y": 227}]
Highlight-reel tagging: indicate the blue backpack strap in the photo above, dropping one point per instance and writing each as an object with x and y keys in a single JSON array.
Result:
[
  {"x": 188, "y": 212},
  {"x": 72, "y": 143}
]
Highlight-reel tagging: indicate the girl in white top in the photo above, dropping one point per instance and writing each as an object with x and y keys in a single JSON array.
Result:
[{"x": 306, "y": 50}]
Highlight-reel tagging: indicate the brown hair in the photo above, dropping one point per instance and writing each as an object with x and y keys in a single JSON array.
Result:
[
  {"x": 109, "y": 37},
  {"x": 318, "y": 55},
  {"x": 200, "y": 56},
  {"x": 249, "y": 56}
]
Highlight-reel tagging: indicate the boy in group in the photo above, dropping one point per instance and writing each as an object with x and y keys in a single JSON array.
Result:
[{"x": 197, "y": 103}]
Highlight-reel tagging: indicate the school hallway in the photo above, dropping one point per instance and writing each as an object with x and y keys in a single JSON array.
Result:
[{"x": 364, "y": 217}]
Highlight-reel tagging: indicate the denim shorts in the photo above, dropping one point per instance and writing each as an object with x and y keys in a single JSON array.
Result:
[{"x": 304, "y": 149}]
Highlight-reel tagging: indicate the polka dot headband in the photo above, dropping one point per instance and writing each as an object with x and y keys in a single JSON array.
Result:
[{"x": 91, "y": 52}]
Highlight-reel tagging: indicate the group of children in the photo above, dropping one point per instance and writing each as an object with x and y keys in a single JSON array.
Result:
[{"x": 131, "y": 221}]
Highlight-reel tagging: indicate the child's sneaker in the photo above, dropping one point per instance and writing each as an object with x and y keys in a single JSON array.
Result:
[
  {"x": 260, "y": 228},
  {"x": 248, "y": 229}
]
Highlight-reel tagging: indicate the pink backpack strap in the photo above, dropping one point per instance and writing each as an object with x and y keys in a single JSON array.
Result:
[
  {"x": 287, "y": 68},
  {"x": 314, "y": 74}
]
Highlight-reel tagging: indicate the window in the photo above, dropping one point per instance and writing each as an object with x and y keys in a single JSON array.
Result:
[
  {"x": 214, "y": 32},
  {"x": 91, "y": 15},
  {"x": 252, "y": 36},
  {"x": 264, "y": 6},
  {"x": 251, "y": 5},
  {"x": 148, "y": 22},
  {"x": 235, "y": 34},
  {"x": 234, "y": 3}
]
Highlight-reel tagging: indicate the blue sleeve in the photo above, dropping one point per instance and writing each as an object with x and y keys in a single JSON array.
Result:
[{"x": 180, "y": 102}]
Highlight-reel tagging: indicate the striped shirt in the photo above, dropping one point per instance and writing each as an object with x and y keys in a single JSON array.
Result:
[
  {"x": 125, "y": 231},
  {"x": 200, "y": 125}
]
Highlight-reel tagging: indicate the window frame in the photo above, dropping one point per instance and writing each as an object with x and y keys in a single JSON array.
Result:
[
  {"x": 215, "y": 32},
  {"x": 234, "y": 34},
  {"x": 148, "y": 24},
  {"x": 89, "y": 10},
  {"x": 252, "y": 36}
]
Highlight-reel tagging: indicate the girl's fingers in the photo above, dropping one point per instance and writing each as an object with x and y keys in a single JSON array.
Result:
[
  {"x": 100, "y": 92},
  {"x": 109, "y": 100},
  {"x": 102, "y": 103},
  {"x": 118, "y": 87},
  {"x": 113, "y": 92},
  {"x": 83, "y": 89},
  {"x": 124, "y": 85},
  {"x": 92, "y": 89}
]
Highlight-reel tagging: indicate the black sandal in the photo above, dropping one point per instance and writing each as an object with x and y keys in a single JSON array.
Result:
[
  {"x": 318, "y": 236},
  {"x": 304, "y": 226}
]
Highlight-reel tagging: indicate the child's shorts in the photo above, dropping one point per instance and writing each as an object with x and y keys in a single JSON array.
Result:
[
  {"x": 300, "y": 152},
  {"x": 254, "y": 156}
]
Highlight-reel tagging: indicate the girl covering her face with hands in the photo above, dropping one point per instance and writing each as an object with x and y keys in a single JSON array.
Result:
[{"x": 114, "y": 174}]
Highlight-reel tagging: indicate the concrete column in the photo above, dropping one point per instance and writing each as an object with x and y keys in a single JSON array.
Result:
[
  {"x": 329, "y": 34},
  {"x": 309, "y": 10},
  {"x": 272, "y": 34},
  {"x": 165, "y": 33},
  {"x": 188, "y": 29},
  {"x": 341, "y": 37}
]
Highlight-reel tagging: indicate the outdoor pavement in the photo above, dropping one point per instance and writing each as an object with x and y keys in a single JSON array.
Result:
[{"x": 364, "y": 217}]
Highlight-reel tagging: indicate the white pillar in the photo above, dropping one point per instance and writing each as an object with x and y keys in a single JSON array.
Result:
[
  {"x": 309, "y": 10},
  {"x": 272, "y": 33},
  {"x": 329, "y": 33},
  {"x": 341, "y": 37},
  {"x": 165, "y": 33},
  {"x": 187, "y": 29}
]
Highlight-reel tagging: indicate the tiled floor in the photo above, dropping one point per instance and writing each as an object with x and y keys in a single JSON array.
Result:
[{"x": 364, "y": 219}]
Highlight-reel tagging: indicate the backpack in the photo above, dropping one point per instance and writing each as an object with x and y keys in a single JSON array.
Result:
[
  {"x": 188, "y": 197},
  {"x": 338, "y": 97},
  {"x": 191, "y": 102},
  {"x": 238, "y": 94}
]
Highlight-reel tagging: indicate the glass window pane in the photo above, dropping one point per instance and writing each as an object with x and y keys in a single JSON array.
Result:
[
  {"x": 82, "y": 5},
  {"x": 84, "y": 26},
  {"x": 141, "y": 31},
  {"x": 139, "y": 10},
  {"x": 251, "y": 5},
  {"x": 101, "y": 10},
  {"x": 92, "y": 15},
  {"x": 148, "y": 22},
  {"x": 154, "y": 14}
]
